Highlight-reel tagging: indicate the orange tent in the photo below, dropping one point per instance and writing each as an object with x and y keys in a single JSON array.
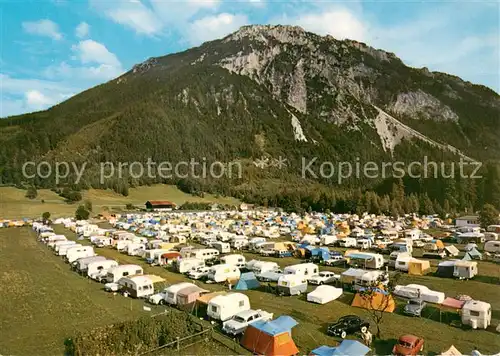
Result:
[
  {"x": 377, "y": 299},
  {"x": 271, "y": 337}
]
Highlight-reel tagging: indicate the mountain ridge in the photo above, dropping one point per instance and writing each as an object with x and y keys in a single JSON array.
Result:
[{"x": 262, "y": 91}]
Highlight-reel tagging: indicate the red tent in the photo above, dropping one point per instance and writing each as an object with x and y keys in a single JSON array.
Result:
[{"x": 271, "y": 338}]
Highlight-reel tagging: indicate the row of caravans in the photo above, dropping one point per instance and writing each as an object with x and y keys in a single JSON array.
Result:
[{"x": 129, "y": 279}]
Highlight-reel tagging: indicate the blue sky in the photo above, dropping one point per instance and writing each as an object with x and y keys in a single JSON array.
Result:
[{"x": 53, "y": 49}]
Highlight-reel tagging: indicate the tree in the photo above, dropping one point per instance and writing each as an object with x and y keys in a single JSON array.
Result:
[
  {"x": 31, "y": 193},
  {"x": 488, "y": 216},
  {"x": 88, "y": 205},
  {"x": 82, "y": 213},
  {"x": 46, "y": 217},
  {"x": 379, "y": 300}
]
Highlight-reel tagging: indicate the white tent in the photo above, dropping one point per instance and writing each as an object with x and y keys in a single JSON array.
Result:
[
  {"x": 324, "y": 294},
  {"x": 452, "y": 351}
]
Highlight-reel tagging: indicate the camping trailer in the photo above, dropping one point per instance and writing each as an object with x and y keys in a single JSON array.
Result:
[
  {"x": 403, "y": 262},
  {"x": 347, "y": 242},
  {"x": 62, "y": 249},
  {"x": 259, "y": 267},
  {"x": 223, "y": 272},
  {"x": 327, "y": 240},
  {"x": 222, "y": 247},
  {"x": 81, "y": 264},
  {"x": 224, "y": 307},
  {"x": 302, "y": 269},
  {"x": 170, "y": 293},
  {"x": 75, "y": 253},
  {"x": 292, "y": 284},
  {"x": 366, "y": 260},
  {"x": 184, "y": 265},
  {"x": 100, "y": 268},
  {"x": 477, "y": 314},
  {"x": 114, "y": 274},
  {"x": 205, "y": 254},
  {"x": 138, "y": 286},
  {"x": 492, "y": 246},
  {"x": 135, "y": 248},
  {"x": 234, "y": 260},
  {"x": 465, "y": 269}
]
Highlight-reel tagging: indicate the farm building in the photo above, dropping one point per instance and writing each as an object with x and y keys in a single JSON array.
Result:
[
  {"x": 468, "y": 220},
  {"x": 159, "y": 205}
]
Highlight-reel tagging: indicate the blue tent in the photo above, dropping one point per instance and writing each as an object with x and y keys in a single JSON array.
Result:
[
  {"x": 346, "y": 348},
  {"x": 277, "y": 326},
  {"x": 475, "y": 254},
  {"x": 247, "y": 281}
]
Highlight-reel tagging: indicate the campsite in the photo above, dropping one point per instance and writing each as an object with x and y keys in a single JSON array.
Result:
[{"x": 437, "y": 324}]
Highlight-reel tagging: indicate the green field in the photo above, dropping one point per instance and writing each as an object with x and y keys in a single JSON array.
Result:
[
  {"x": 52, "y": 302},
  {"x": 14, "y": 204}
]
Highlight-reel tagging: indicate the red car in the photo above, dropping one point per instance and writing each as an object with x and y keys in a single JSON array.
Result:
[{"x": 408, "y": 345}]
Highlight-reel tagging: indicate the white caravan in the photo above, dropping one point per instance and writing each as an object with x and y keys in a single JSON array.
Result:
[
  {"x": 347, "y": 242},
  {"x": 222, "y": 247},
  {"x": 222, "y": 273},
  {"x": 114, "y": 274},
  {"x": 234, "y": 260},
  {"x": 184, "y": 265},
  {"x": 224, "y": 307},
  {"x": 492, "y": 246},
  {"x": 61, "y": 248},
  {"x": 99, "y": 269},
  {"x": 81, "y": 264},
  {"x": 302, "y": 269},
  {"x": 75, "y": 253}
]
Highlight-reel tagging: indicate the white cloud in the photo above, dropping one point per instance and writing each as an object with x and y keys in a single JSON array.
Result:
[
  {"x": 217, "y": 26},
  {"x": 45, "y": 27},
  {"x": 339, "y": 23},
  {"x": 132, "y": 14},
  {"x": 37, "y": 100},
  {"x": 82, "y": 30},
  {"x": 21, "y": 95},
  {"x": 90, "y": 51}
]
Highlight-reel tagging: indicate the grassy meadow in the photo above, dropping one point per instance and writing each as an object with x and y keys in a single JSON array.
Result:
[{"x": 14, "y": 204}]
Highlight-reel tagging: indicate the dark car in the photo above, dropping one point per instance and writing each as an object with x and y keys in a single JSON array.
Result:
[{"x": 349, "y": 324}]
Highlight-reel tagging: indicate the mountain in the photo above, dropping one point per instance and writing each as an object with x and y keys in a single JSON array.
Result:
[{"x": 263, "y": 92}]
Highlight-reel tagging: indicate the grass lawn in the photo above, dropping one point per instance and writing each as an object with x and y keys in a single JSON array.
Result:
[
  {"x": 14, "y": 204},
  {"x": 314, "y": 318}
]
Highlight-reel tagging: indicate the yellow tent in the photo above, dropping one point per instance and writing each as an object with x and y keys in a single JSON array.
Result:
[
  {"x": 418, "y": 267},
  {"x": 376, "y": 300},
  {"x": 439, "y": 244}
]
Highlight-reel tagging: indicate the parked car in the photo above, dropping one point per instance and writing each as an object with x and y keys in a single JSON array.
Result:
[
  {"x": 408, "y": 345},
  {"x": 199, "y": 273},
  {"x": 418, "y": 243},
  {"x": 238, "y": 323},
  {"x": 414, "y": 307},
  {"x": 335, "y": 261},
  {"x": 324, "y": 277},
  {"x": 348, "y": 324}
]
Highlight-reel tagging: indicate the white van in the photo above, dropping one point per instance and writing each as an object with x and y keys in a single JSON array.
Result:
[
  {"x": 302, "y": 269},
  {"x": 234, "y": 260},
  {"x": 222, "y": 247},
  {"x": 221, "y": 273},
  {"x": 224, "y": 307},
  {"x": 114, "y": 274},
  {"x": 184, "y": 265},
  {"x": 492, "y": 246},
  {"x": 75, "y": 253},
  {"x": 98, "y": 269}
]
